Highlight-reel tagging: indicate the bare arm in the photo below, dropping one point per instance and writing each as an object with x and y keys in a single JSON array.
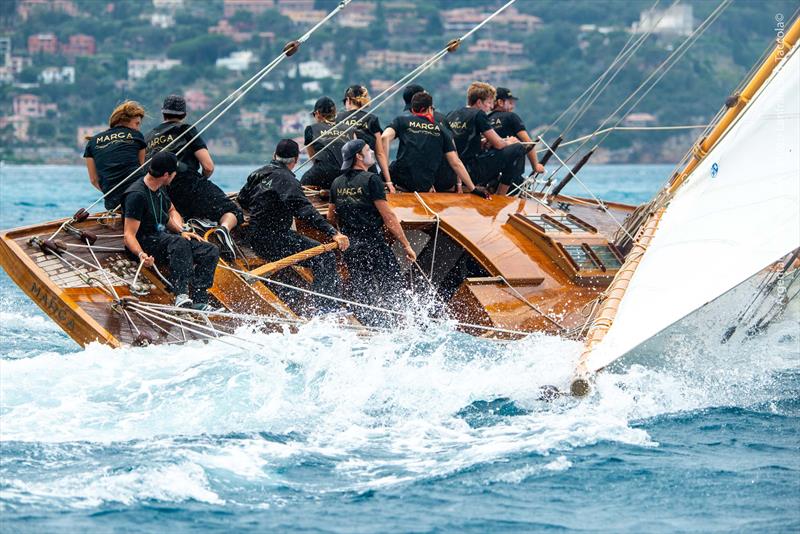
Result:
[
  {"x": 523, "y": 136},
  {"x": 206, "y": 163},
  {"x": 175, "y": 222},
  {"x": 93, "y": 177},
  {"x": 495, "y": 140},
  {"x": 460, "y": 170},
  {"x": 391, "y": 222},
  {"x": 131, "y": 226},
  {"x": 383, "y": 155}
]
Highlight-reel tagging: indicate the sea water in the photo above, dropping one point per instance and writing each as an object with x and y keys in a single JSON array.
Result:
[{"x": 416, "y": 430}]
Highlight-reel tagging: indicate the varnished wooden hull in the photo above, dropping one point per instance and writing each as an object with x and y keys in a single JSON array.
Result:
[{"x": 522, "y": 283}]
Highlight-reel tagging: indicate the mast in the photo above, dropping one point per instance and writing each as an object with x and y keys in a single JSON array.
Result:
[{"x": 616, "y": 291}]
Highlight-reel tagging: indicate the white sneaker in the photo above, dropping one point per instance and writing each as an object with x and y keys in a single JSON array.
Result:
[{"x": 183, "y": 301}]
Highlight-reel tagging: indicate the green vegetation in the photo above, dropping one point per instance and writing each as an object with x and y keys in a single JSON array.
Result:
[{"x": 559, "y": 61}]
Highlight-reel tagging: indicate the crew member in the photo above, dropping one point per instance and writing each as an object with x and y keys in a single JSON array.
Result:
[
  {"x": 469, "y": 124},
  {"x": 424, "y": 144},
  {"x": 112, "y": 155},
  {"x": 273, "y": 196},
  {"x": 194, "y": 195},
  {"x": 366, "y": 127},
  {"x": 358, "y": 205},
  {"x": 324, "y": 143},
  {"x": 508, "y": 124},
  {"x": 154, "y": 231}
]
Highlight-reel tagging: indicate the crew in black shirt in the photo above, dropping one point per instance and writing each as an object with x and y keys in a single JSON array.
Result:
[
  {"x": 358, "y": 205},
  {"x": 112, "y": 155},
  {"x": 366, "y": 127},
  {"x": 274, "y": 197},
  {"x": 194, "y": 195},
  {"x": 318, "y": 136},
  {"x": 468, "y": 125},
  {"x": 154, "y": 231},
  {"x": 508, "y": 124},
  {"x": 424, "y": 145}
]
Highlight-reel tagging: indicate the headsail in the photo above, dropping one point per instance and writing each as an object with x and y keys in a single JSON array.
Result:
[{"x": 736, "y": 212}]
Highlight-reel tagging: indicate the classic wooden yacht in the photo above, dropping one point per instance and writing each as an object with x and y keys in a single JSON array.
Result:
[{"x": 501, "y": 267}]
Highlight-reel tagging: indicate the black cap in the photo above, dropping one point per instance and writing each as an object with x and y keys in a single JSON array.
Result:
[
  {"x": 409, "y": 92},
  {"x": 287, "y": 148},
  {"x": 349, "y": 151},
  {"x": 163, "y": 162},
  {"x": 504, "y": 93},
  {"x": 324, "y": 105},
  {"x": 174, "y": 105}
]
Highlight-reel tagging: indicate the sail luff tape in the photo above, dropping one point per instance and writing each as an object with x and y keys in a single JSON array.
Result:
[{"x": 779, "y": 52}]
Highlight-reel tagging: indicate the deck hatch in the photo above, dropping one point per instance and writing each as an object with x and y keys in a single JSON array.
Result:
[
  {"x": 555, "y": 223},
  {"x": 581, "y": 258},
  {"x": 606, "y": 256}
]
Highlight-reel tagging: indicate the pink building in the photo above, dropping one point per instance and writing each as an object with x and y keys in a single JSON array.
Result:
[
  {"x": 31, "y": 106},
  {"x": 26, "y": 7},
  {"x": 196, "y": 100},
  {"x": 46, "y": 43},
  {"x": 79, "y": 45},
  {"x": 253, "y": 6}
]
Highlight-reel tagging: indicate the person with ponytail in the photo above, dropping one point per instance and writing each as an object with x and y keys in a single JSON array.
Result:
[
  {"x": 366, "y": 127},
  {"x": 113, "y": 154},
  {"x": 324, "y": 143}
]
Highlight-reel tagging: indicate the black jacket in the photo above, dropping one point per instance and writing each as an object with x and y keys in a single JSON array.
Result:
[{"x": 273, "y": 196}]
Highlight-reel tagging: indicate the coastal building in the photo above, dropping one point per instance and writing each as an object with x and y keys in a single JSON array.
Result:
[
  {"x": 379, "y": 86},
  {"x": 57, "y": 75},
  {"x": 229, "y": 7},
  {"x": 294, "y": 123},
  {"x": 675, "y": 20},
  {"x": 297, "y": 5},
  {"x": 6, "y": 75},
  {"x": 162, "y": 20},
  {"x": 223, "y": 27},
  {"x": 237, "y": 61},
  {"x": 498, "y": 47},
  {"x": 31, "y": 106},
  {"x": 304, "y": 17},
  {"x": 43, "y": 43},
  {"x": 20, "y": 126},
  {"x": 376, "y": 59},
  {"x": 465, "y": 18},
  {"x": 20, "y": 63},
  {"x": 139, "y": 68},
  {"x": 79, "y": 45},
  {"x": 196, "y": 100},
  {"x": 311, "y": 69},
  {"x": 357, "y": 15},
  {"x": 168, "y": 5},
  {"x": 5, "y": 51},
  {"x": 26, "y": 7}
]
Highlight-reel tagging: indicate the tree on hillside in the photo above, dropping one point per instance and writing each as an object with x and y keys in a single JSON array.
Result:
[{"x": 202, "y": 50}]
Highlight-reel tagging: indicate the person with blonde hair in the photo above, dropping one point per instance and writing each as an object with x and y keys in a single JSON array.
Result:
[
  {"x": 469, "y": 124},
  {"x": 366, "y": 127},
  {"x": 113, "y": 154}
]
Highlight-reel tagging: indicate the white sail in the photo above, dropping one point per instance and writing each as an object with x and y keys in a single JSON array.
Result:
[{"x": 736, "y": 213}]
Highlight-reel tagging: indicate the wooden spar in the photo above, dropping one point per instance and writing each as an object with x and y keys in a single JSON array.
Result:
[
  {"x": 616, "y": 290},
  {"x": 781, "y": 50},
  {"x": 275, "y": 266}
]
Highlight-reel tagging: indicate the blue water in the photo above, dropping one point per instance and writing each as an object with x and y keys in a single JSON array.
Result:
[{"x": 409, "y": 432}]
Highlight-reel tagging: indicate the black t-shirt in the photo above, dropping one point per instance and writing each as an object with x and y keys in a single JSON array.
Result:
[
  {"x": 116, "y": 154},
  {"x": 423, "y": 145},
  {"x": 150, "y": 208},
  {"x": 325, "y": 133},
  {"x": 506, "y": 123},
  {"x": 274, "y": 196},
  {"x": 165, "y": 133},
  {"x": 467, "y": 125},
  {"x": 368, "y": 128},
  {"x": 354, "y": 194}
]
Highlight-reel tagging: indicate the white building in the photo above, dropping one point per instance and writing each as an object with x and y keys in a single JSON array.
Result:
[
  {"x": 53, "y": 75},
  {"x": 237, "y": 61},
  {"x": 676, "y": 20},
  {"x": 170, "y": 5},
  {"x": 162, "y": 20},
  {"x": 311, "y": 69},
  {"x": 139, "y": 68}
]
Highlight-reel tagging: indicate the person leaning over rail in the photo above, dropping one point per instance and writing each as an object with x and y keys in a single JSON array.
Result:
[
  {"x": 469, "y": 124},
  {"x": 273, "y": 196},
  {"x": 424, "y": 144},
  {"x": 508, "y": 124},
  {"x": 366, "y": 127},
  {"x": 358, "y": 205},
  {"x": 194, "y": 195},
  {"x": 113, "y": 154},
  {"x": 327, "y": 161},
  {"x": 154, "y": 231}
]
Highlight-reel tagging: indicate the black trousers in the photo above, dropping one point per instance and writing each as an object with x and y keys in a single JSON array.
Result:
[
  {"x": 375, "y": 277},
  {"x": 321, "y": 175},
  {"x": 191, "y": 262},
  {"x": 275, "y": 245},
  {"x": 197, "y": 197},
  {"x": 508, "y": 162}
]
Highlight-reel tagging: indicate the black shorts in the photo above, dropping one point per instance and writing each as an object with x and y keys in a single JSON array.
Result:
[
  {"x": 202, "y": 199},
  {"x": 321, "y": 175}
]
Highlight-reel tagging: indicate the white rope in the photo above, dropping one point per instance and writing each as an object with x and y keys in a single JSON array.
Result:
[
  {"x": 396, "y": 87},
  {"x": 103, "y": 270},
  {"x": 521, "y": 297},
  {"x": 97, "y": 247}
]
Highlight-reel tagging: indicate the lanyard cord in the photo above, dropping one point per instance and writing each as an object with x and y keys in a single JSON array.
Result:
[{"x": 153, "y": 207}]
